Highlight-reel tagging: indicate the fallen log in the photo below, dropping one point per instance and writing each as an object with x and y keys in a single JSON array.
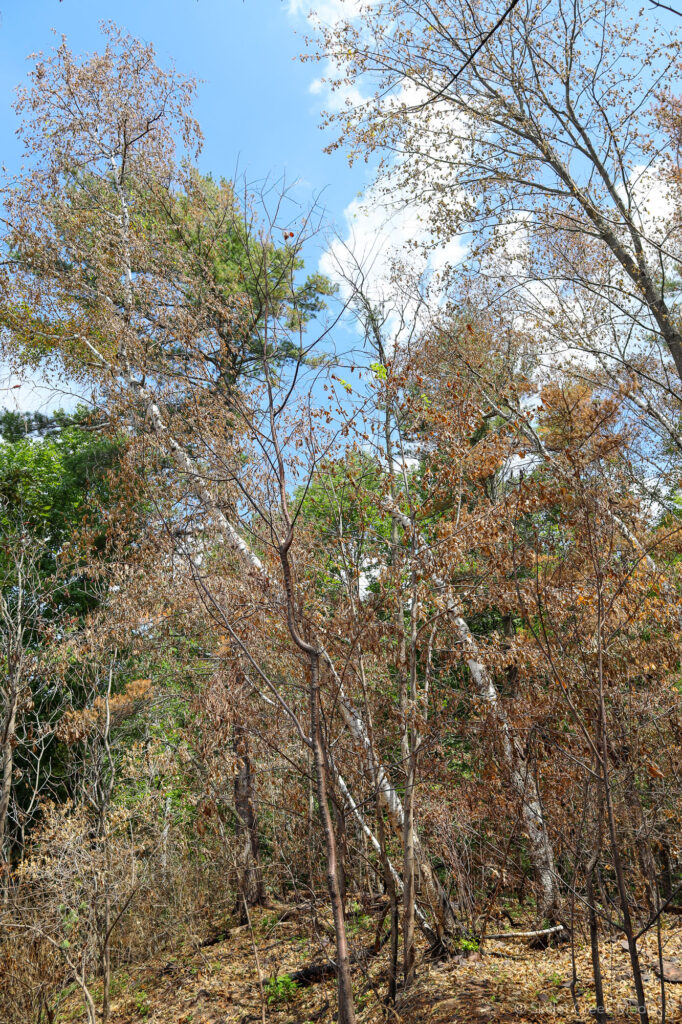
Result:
[{"x": 327, "y": 969}]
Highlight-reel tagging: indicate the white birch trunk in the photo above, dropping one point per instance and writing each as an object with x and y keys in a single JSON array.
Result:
[{"x": 518, "y": 768}]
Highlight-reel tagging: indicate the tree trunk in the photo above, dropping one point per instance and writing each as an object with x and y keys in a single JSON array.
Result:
[
  {"x": 518, "y": 767},
  {"x": 523, "y": 785},
  {"x": 616, "y": 854},
  {"x": 392, "y": 892},
  {"x": 600, "y": 1009},
  {"x": 342, "y": 848},
  {"x": 635, "y": 266},
  {"x": 411, "y": 746},
  {"x": 380, "y": 847},
  {"x": 7, "y": 762},
  {"x": 105, "y": 962},
  {"x": 409, "y": 891},
  {"x": 251, "y": 880},
  {"x": 164, "y": 836},
  {"x": 438, "y": 899},
  {"x": 346, "y": 1014}
]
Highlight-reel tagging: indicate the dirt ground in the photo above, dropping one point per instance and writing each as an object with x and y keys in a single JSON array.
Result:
[{"x": 217, "y": 982}]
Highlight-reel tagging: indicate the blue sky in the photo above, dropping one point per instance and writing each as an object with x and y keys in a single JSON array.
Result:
[{"x": 255, "y": 105}]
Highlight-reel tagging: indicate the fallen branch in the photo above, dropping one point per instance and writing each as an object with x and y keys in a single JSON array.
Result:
[{"x": 528, "y": 935}]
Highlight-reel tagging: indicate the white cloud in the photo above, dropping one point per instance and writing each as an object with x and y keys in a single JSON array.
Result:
[
  {"x": 341, "y": 96},
  {"x": 327, "y": 12},
  {"x": 377, "y": 239},
  {"x": 375, "y": 234},
  {"x": 323, "y": 17}
]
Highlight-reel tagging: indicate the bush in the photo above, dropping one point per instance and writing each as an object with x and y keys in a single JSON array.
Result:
[{"x": 281, "y": 989}]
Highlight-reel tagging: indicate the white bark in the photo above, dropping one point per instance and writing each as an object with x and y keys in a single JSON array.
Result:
[
  {"x": 516, "y": 763},
  {"x": 353, "y": 720},
  {"x": 392, "y": 804},
  {"x": 388, "y": 796},
  {"x": 528, "y": 935},
  {"x": 357, "y": 813}
]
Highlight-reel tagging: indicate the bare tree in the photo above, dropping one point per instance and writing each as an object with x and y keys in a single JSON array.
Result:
[{"x": 555, "y": 147}]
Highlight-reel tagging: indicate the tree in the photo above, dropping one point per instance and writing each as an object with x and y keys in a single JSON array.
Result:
[
  {"x": 82, "y": 874},
  {"x": 552, "y": 147},
  {"x": 419, "y": 418},
  {"x": 106, "y": 294},
  {"x": 49, "y": 581},
  {"x": 424, "y": 614}
]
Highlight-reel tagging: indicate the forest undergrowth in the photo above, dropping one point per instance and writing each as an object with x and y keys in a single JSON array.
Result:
[
  {"x": 214, "y": 979},
  {"x": 362, "y": 595}
]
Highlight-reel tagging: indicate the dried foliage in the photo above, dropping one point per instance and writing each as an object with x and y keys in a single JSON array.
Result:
[{"x": 388, "y": 646}]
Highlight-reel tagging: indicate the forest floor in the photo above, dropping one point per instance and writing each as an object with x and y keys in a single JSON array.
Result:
[{"x": 217, "y": 983}]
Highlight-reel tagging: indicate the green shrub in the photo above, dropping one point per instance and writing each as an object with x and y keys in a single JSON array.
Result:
[
  {"x": 281, "y": 989},
  {"x": 142, "y": 1004}
]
